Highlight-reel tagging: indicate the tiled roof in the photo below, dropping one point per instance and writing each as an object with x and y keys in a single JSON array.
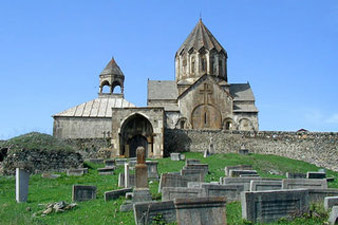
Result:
[
  {"x": 241, "y": 92},
  {"x": 99, "y": 107},
  {"x": 162, "y": 89},
  {"x": 200, "y": 37},
  {"x": 112, "y": 69}
]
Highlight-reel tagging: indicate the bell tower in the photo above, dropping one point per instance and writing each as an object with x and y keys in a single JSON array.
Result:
[{"x": 111, "y": 78}]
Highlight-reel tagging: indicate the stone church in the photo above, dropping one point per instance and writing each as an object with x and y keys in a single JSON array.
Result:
[{"x": 199, "y": 98}]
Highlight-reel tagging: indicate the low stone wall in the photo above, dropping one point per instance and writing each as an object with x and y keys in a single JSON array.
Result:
[
  {"x": 318, "y": 148},
  {"x": 90, "y": 147},
  {"x": 37, "y": 161}
]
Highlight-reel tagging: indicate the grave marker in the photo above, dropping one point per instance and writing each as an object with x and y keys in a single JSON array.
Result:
[
  {"x": 146, "y": 212},
  {"x": 172, "y": 180},
  {"x": 21, "y": 185},
  {"x": 170, "y": 193},
  {"x": 237, "y": 173},
  {"x": 232, "y": 192},
  {"x": 304, "y": 183},
  {"x": 175, "y": 156},
  {"x": 329, "y": 202},
  {"x": 83, "y": 193},
  {"x": 115, "y": 194},
  {"x": 315, "y": 175},
  {"x": 238, "y": 167},
  {"x": 262, "y": 185},
  {"x": 77, "y": 172}
]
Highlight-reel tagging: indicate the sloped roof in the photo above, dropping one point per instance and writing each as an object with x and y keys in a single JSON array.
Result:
[
  {"x": 242, "y": 92},
  {"x": 200, "y": 37},
  {"x": 112, "y": 69},
  {"x": 162, "y": 89},
  {"x": 99, "y": 107}
]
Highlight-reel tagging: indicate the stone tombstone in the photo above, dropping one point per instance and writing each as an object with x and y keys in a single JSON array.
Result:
[
  {"x": 96, "y": 160},
  {"x": 249, "y": 175},
  {"x": 126, "y": 175},
  {"x": 200, "y": 211},
  {"x": 141, "y": 171},
  {"x": 245, "y": 181},
  {"x": 106, "y": 170},
  {"x": 196, "y": 175},
  {"x": 269, "y": 206},
  {"x": 304, "y": 183},
  {"x": 141, "y": 195},
  {"x": 232, "y": 192},
  {"x": 318, "y": 195},
  {"x": 175, "y": 156},
  {"x": 172, "y": 180},
  {"x": 189, "y": 162},
  {"x": 333, "y": 218},
  {"x": 109, "y": 162},
  {"x": 204, "y": 167},
  {"x": 170, "y": 193},
  {"x": 120, "y": 162},
  {"x": 261, "y": 185},
  {"x": 121, "y": 180},
  {"x": 115, "y": 194},
  {"x": 329, "y": 202},
  {"x": 77, "y": 172},
  {"x": 295, "y": 175},
  {"x": 237, "y": 173},
  {"x": 152, "y": 170},
  {"x": 146, "y": 212},
  {"x": 315, "y": 175},
  {"x": 238, "y": 167},
  {"x": 83, "y": 193},
  {"x": 21, "y": 185}
]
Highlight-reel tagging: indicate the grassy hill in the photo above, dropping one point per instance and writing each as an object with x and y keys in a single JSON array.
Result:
[{"x": 43, "y": 191}]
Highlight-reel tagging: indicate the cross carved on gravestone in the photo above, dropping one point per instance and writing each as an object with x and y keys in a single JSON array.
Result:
[{"x": 205, "y": 92}]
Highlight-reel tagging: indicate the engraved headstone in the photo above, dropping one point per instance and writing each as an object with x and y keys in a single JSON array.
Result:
[
  {"x": 232, "y": 192},
  {"x": 333, "y": 218},
  {"x": 238, "y": 167},
  {"x": 175, "y": 156},
  {"x": 21, "y": 185},
  {"x": 109, "y": 162},
  {"x": 329, "y": 202},
  {"x": 318, "y": 195},
  {"x": 152, "y": 169},
  {"x": 261, "y": 185},
  {"x": 120, "y": 162},
  {"x": 77, "y": 172},
  {"x": 189, "y": 162},
  {"x": 304, "y": 183},
  {"x": 315, "y": 175},
  {"x": 106, "y": 170},
  {"x": 196, "y": 175},
  {"x": 295, "y": 175},
  {"x": 83, "y": 193},
  {"x": 148, "y": 212},
  {"x": 115, "y": 194},
  {"x": 237, "y": 173},
  {"x": 172, "y": 180},
  {"x": 126, "y": 175},
  {"x": 141, "y": 171},
  {"x": 170, "y": 193}
]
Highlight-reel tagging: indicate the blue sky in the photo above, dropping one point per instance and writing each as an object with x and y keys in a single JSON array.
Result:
[{"x": 51, "y": 53}]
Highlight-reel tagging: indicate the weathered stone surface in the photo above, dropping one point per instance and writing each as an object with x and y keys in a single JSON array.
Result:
[
  {"x": 318, "y": 195},
  {"x": 196, "y": 175},
  {"x": 329, "y": 202},
  {"x": 141, "y": 155},
  {"x": 96, "y": 160},
  {"x": 50, "y": 175},
  {"x": 120, "y": 162},
  {"x": 126, "y": 175},
  {"x": 232, "y": 192},
  {"x": 262, "y": 185},
  {"x": 106, "y": 170},
  {"x": 77, "y": 172},
  {"x": 170, "y": 193},
  {"x": 109, "y": 162},
  {"x": 83, "y": 193},
  {"x": 145, "y": 213},
  {"x": 141, "y": 170},
  {"x": 172, "y": 180},
  {"x": 21, "y": 185},
  {"x": 121, "y": 180},
  {"x": 115, "y": 194},
  {"x": 204, "y": 167},
  {"x": 249, "y": 175},
  {"x": 304, "y": 183},
  {"x": 152, "y": 169},
  {"x": 295, "y": 175},
  {"x": 175, "y": 156},
  {"x": 243, "y": 151},
  {"x": 238, "y": 167},
  {"x": 141, "y": 195},
  {"x": 269, "y": 206},
  {"x": 189, "y": 162},
  {"x": 209, "y": 211},
  {"x": 333, "y": 218},
  {"x": 315, "y": 175},
  {"x": 237, "y": 173},
  {"x": 245, "y": 180}
]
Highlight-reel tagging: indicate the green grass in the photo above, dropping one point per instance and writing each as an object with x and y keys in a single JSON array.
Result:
[{"x": 42, "y": 191}]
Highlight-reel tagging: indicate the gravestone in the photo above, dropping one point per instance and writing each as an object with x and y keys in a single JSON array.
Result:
[
  {"x": 210, "y": 211},
  {"x": 333, "y": 218},
  {"x": 120, "y": 162},
  {"x": 295, "y": 175},
  {"x": 152, "y": 170},
  {"x": 115, "y": 194},
  {"x": 21, "y": 185},
  {"x": 126, "y": 175},
  {"x": 172, "y": 180},
  {"x": 243, "y": 150},
  {"x": 304, "y": 183},
  {"x": 106, "y": 170},
  {"x": 315, "y": 175},
  {"x": 109, "y": 162},
  {"x": 170, "y": 193},
  {"x": 147, "y": 212},
  {"x": 200, "y": 166},
  {"x": 232, "y": 192},
  {"x": 249, "y": 175},
  {"x": 77, "y": 172},
  {"x": 237, "y": 173},
  {"x": 50, "y": 175},
  {"x": 329, "y": 202},
  {"x": 269, "y": 206},
  {"x": 238, "y": 167},
  {"x": 196, "y": 175},
  {"x": 121, "y": 181},
  {"x": 83, "y": 193},
  {"x": 141, "y": 195},
  {"x": 261, "y": 185},
  {"x": 245, "y": 181},
  {"x": 318, "y": 195},
  {"x": 96, "y": 160},
  {"x": 141, "y": 171},
  {"x": 189, "y": 162},
  {"x": 175, "y": 156}
]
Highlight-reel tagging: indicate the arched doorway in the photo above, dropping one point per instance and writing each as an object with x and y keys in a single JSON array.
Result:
[
  {"x": 136, "y": 131},
  {"x": 206, "y": 117}
]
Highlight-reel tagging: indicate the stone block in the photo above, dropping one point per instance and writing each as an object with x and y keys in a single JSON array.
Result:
[
  {"x": 172, "y": 180},
  {"x": 232, "y": 192},
  {"x": 329, "y": 202},
  {"x": 245, "y": 181},
  {"x": 200, "y": 166},
  {"x": 189, "y": 162},
  {"x": 182, "y": 157},
  {"x": 315, "y": 175},
  {"x": 21, "y": 185},
  {"x": 170, "y": 193},
  {"x": 145, "y": 213},
  {"x": 237, "y": 173},
  {"x": 109, "y": 162},
  {"x": 121, "y": 181},
  {"x": 141, "y": 176},
  {"x": 96, "y": 160},
  {"x": 262, "y": 185},
  {"x": 120, "y": 162},
  {"x": 196, "y": 175},
  {"x": 238, "y": 167},
  {"x": 77, "y": 172},
  {"x": 193, "y": 184},
  {"x": 295, "y": 175},
  {"x": 243, "y": 151},
  {"x": 304, "y": 183},
  {"x": 269, "y": 206},
  {"x": 83, "y": 193},
  {"x": 106, "y": 170},
  {"x": 152, "y": 169},
  {"x": 333, "y": 218},
  {"x": 50, "y": 175},
  {"x": 198, "y": 211},
  {"x": 249, "y": 175},
  {"x": 141, "y": 195},
  {"x": 115, "y": 194},
  {"x": 318, "y": 195},
  {"x": 175, "y": 156}
]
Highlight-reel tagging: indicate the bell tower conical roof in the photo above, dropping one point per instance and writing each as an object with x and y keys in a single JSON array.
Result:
[
  {"x": 111, "y": 76},
  {"x": 112, "y": 69}
]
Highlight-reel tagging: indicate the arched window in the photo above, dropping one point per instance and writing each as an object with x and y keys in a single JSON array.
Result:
[
  {"x": 117, "y": 90},
  {"x": 182, "y": 124},
  {"x": 193, "y": 65},
  {"x": 203, "y": 63},
  {"x": 220, "y": 63}
]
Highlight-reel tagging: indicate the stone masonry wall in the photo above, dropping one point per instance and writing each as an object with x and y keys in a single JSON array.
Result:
[{"x": 317, "y": 148}]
